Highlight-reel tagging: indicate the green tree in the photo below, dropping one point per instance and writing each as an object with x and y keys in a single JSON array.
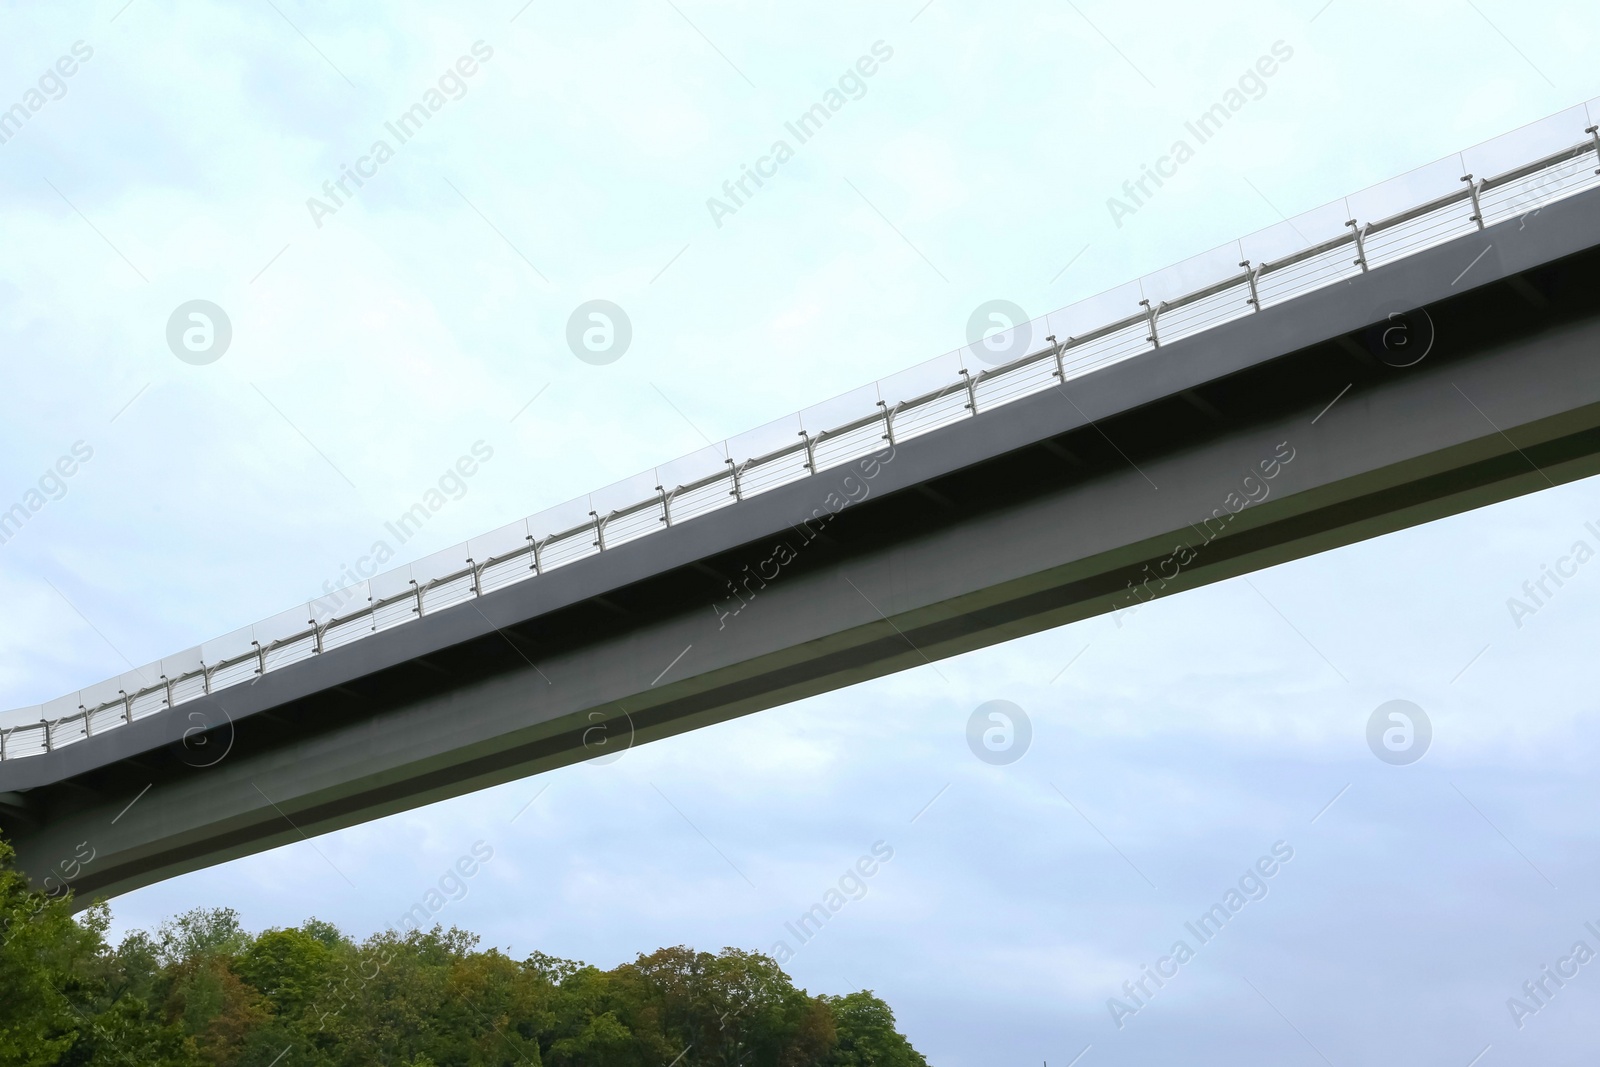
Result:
[
  {"x": 735, "y": 1007},
  {"x": 203, "y": 992},
  {"x": 42, "y": 951},
  {"x": 287, "y": 967},
  {"x": 866, "y": 1034},
  {"x": 65, "y": 998},
  {"x": 200, "y": 932}
]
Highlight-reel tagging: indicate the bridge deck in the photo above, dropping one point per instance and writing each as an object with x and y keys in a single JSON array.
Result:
[{"x": 1032, "y": 508}]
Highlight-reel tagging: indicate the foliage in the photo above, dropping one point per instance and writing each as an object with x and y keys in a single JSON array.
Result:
[{"x": 203, "y": 992}]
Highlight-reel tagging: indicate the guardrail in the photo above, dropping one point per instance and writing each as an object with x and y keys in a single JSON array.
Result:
[{"x": 1533, "y": 166}]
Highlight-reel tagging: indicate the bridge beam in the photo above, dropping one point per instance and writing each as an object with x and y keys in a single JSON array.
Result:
[{"x": 1004, "y": 539}]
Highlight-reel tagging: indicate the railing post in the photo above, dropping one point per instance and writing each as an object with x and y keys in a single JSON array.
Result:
[
  {"x": 1151, "y": 313},
  {"x": 49, "y": 744},
  {"x": 168, "y": 681},
  {"x": 4, "y": 736},
  {"x": 1477, "y": 207},
  {"x": 534, "y": 551},
  {"x": 205, "y": 678},
  {"x": 261, "y": 657},
  {"x": 811, "y": 452},
  {"x": 1594, "y": 131},
  {"x": 1361, "y": 245},
  {"x": 1058, "y": 348},
  {"x": 888, "y": 422},
  {"x": 418, "y": 590},
  {"x": 1250, "y": 276},
  {"x": 734, "y": 468},
  {"x": 972, "y": 390},
  {"x": 666, "y": 505},
  {"x": 127, "y": 711},
  {"x": 599, "y": 530}
]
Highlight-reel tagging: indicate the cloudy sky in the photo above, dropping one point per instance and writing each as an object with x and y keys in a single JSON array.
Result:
[{"x": 375, "y": 343}]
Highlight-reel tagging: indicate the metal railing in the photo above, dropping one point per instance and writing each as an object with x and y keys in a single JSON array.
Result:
[{"x": 1531, "y": 167}]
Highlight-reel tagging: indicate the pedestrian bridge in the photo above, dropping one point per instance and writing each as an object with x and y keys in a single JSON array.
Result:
[{"x": 1421, "y": 348}]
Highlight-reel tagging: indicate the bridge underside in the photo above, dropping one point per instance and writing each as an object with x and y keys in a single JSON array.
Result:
[{"x": 1144, "y": 479}]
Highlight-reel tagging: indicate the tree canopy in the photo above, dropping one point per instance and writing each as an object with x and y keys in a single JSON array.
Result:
[{"x": 201, "y": 990}]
